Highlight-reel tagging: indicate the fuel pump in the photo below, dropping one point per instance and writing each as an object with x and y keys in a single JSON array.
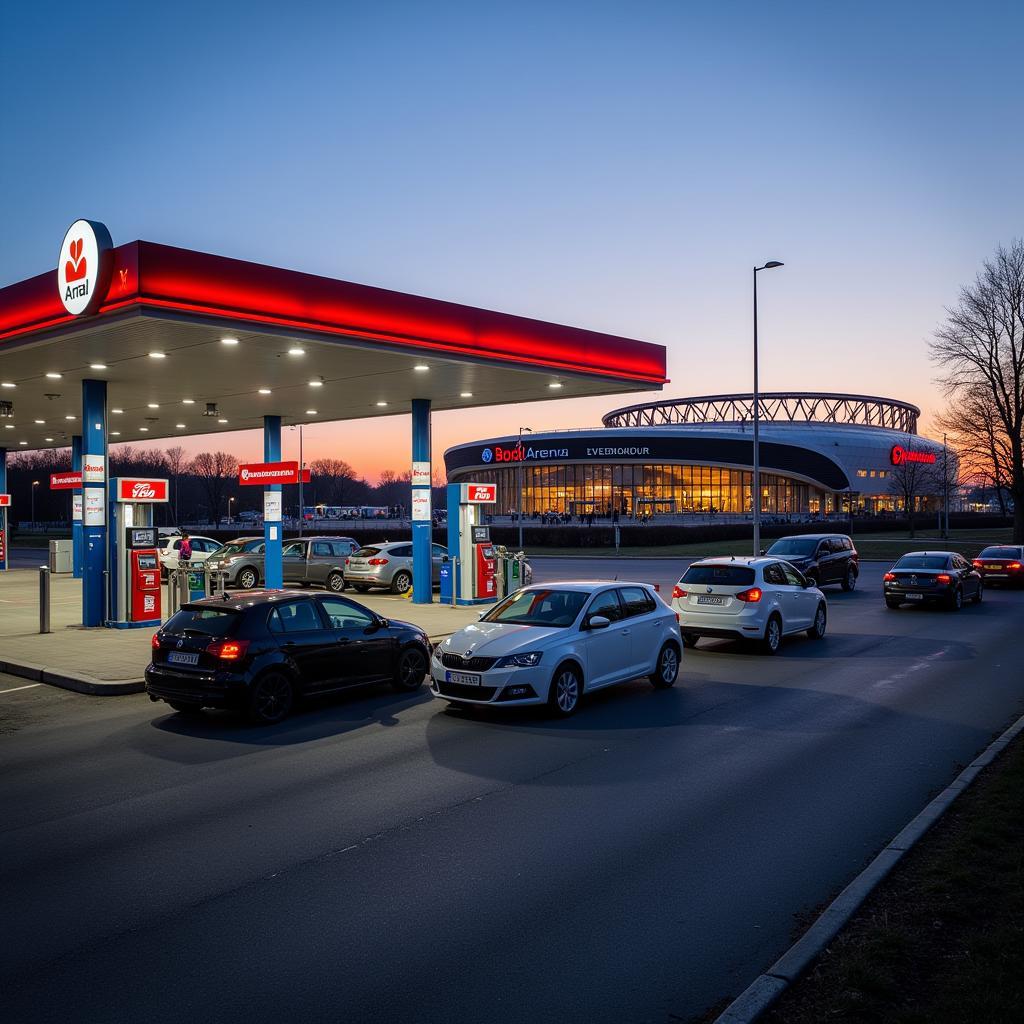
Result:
[
  {"x": 470, "y": 539},
  {"x": 135, "y": 564}
]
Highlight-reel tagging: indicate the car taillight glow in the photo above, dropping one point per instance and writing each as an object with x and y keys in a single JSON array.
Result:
[
  {"x": 677, "y": 591},
  {"x": 378, "y": 561},
  {"x": 228, "y": 650},
  {"x": 977, "y": 563},
  {"x": 889, "y": 577},
  {"x": 1014, "y": 565},
  {"x": 751, "y": 596},
  {"x": 155, "y": 642},
  {"x": 347, "y": 560},
  {"x": 944, "y": 578}
]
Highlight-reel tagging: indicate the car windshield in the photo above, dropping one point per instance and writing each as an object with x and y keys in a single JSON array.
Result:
[
  {"x": 234, "y": 547},
  {"x": 922, "y": 562},
  {"x": 367, "y": 552},
  {"x": 553, "y": 608},
  {"x": 793, "y": 546},
  {"x": 724, "y": 575},
  {"x": 997, "y": 552},
  {"x": 203, "y": 621}
]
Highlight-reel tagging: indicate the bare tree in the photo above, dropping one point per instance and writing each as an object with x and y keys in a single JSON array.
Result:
[
  {"x": 213, "y": 470},
  {"x": 334, "y": 480},
  {"x": 981, "y": 351},
  {"x": 177, "y": 464},
  {"x": 395, "y": 489}
]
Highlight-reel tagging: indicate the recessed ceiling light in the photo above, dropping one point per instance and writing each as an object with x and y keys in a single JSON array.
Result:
[
  {"x": 188, "y": 401},
  {"x": 157, "y": 355},
  {"x": 421, "y": 368},
  {"x": 8, "y": 426},
  {"x": 296, "y": 351},
  {"x": 54, "y": 376},
  {"x": 40, "y": 421},
  {"x": 555, "y": 384},
  {"x": 465, "y": 394},
  {"x": 152, "y": 405},
  {"x": 70, "y": 417},
  {"x": 264, "y": 391},
  {"x": 180, "y": 426},
  {"x": 47, "y": 438},
  {"x": 115, "y": 433},
  {"x": 229, "y": 341},
  {"x": 222, "y": 421},
  {"x": 7, "y": 384},
  {"x": 317, "y": 382},
  {"x": 311, "y": 412},
  {"x": 380, "y": 405},
  {"x": 145, "y": 430},
  {"x": 23, "y": 442},
  {"x": 117, "y": 412},
  {"x": 97, "y": 366}
]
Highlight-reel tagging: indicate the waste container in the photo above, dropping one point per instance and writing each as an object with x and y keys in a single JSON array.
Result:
[{"x": 61, "y": 555}]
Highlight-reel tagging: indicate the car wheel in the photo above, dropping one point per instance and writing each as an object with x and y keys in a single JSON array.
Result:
[
  {"x": 690, "y": 639},
  {"x": 667, "y": 669},
  {"x": 410, "y": 671},
  {"x": 401, "y": 583},
  {"x": 185, "y": 709},
  {"x": 978, "y": 595},
  {"x": 248, "y": 578},
  {"x": 361, "y": 588},
  {"x": 956, "y": 600},
  {"x": 272, "y": 698},
  {"x": 336, "y": 582},
  {"x": 850, "y": 579},
  {"x": 891, "y": 602},
  {"x": 566, "y": 687},
  {"x": 817, "y": 631},
  {"x": 772, "y": 635}
]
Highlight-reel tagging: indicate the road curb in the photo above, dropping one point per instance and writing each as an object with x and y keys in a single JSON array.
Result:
[
  {"x": 70, "y": 681},
  {"x": 766, "y": 988}
]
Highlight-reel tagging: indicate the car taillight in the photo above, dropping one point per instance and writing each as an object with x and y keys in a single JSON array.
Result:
[
  {"x": 347, "y": 560},
  {"x": 228, "y": 650},
  {"x": 977, "y": 563},
  {"x": 677, "y": 591},
  {"x": 944, "y": 578},
  {"x": 155, "y": 642},
  {"x": 889, "y": 577},
  {"x": 1014, "y": 565},
  {"x": 378, "y": 561},
  {"x": 751, "y": 596}
]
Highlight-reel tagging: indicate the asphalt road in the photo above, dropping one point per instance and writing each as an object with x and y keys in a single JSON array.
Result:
[{"x": 379, "y": 858}]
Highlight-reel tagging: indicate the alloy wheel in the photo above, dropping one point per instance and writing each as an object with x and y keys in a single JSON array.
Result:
[
  {"x": 567, "y": 691},
  {"x": 272, "y": 698}
]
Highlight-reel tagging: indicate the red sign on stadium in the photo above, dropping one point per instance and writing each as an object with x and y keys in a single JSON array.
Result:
[
  {"x": 261, "y": 474},
  {"x": 65, "y": 481},
  {"x": 141, "y": 490},
  {"x": 900, "y": 456}
]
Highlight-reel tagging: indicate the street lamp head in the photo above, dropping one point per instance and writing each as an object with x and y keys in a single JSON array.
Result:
[{"x": 770, "y": 265}]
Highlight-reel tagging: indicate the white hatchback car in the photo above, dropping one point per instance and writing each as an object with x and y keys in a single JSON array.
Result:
[
  {"x": 202, "y": 548},
  {"x": 761, "y": 599},
  {"x": 551, "y": 643}
]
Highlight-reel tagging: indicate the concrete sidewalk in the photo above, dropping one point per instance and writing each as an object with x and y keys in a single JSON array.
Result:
[{"x": 112, "y": 661}]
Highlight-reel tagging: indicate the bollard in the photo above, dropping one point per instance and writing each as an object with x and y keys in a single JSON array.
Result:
[
  {"x": 44, "y": 599},
  {"x": 184, "y": 587},
  {"x": 455, "y": 580}
]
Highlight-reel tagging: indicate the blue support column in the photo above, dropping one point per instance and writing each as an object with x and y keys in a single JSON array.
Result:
[
  {"x": 76, "y": 496},
  {"x": 5, "y": 537},
  {"x": 454, "y": 494},
  {"x": 94, "y": 502},
  {"x": 273, "y": 571},
  {"x": 422, "y": 518}
]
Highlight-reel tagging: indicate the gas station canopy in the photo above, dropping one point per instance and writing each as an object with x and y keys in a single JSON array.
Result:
[{"x": 191, "y": 343}]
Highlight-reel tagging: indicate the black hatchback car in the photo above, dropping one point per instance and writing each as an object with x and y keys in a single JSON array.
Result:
[
  {"x": 932, "y": 577},
  {"x": 823, "y": 558},
  {"x": 262, "y": 650}
]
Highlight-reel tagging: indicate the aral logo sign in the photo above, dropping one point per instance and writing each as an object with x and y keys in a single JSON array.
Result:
[
  {"x": 84, "y": 267},
  {"x": 901, "y": 456},
  {"x": 141, "y": 490}
]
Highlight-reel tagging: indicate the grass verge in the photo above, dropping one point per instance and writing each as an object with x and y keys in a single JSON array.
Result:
[{"x": 942, "y": 939}]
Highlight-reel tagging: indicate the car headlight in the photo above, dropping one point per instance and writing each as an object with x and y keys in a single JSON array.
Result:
[{"x": 519, "y": 660}]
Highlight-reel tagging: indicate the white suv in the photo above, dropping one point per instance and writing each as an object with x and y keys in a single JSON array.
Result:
[
  {"x": 551, "y": 643},
  {"x": 761, "y": 599}
]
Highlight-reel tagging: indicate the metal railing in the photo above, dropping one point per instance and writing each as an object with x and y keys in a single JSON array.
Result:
[{"x": 180, "y": 586}]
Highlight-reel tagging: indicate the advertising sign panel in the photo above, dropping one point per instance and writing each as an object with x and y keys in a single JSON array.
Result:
[
  {"x": 421, "y": 506},
  {"x": 76, "y": 507},
  {"x": 94, "y": 469},
  {"x": 5, "y": 501},
  {"x": 479, "y": 494},
  {"x": 94, "y": 507},
  {"x": 261, "y": 474},
  {"x": 65, "y": 481},
  {"x": 900, "y": 456},
  {"x": 272, "y": 506},
  {"x": 84, "y": 267},
  {"x": 421, "y": 474},
  {"x": 131, "y": 489}
]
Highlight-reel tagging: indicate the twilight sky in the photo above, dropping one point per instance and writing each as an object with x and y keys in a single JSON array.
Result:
[{"x": 618, "y": 166}]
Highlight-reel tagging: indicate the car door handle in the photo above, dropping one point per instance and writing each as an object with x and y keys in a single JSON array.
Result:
[{"x": 625, "y": 632}]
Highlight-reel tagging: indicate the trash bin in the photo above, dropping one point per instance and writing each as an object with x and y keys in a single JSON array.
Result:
[
  {"x": 61, "y": 556},
  {"x": 446, "y": 581}
]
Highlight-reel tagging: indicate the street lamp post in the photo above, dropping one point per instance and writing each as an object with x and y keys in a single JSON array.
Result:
[
  {"x": 519, "y": 469},
  {"x": 756, "y": 496},
  {"x": 35, "y": 484},
  {"x": 231, "y": 511}
]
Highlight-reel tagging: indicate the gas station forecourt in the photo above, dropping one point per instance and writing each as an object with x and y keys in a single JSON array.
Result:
[{"x": 104, "y": 349}]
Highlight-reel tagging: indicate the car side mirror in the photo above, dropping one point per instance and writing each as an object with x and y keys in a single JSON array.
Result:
[
  {"x": 807, "y": 584},
  {"x": 763, "y": 551},
  {"x": 379, "y": 624},
  {"x": 480, "y": 614},
  {"x": 598, "y": 622}
]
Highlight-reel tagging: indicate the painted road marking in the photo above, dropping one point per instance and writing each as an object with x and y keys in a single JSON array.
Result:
[{"x": 15, "y": 689}]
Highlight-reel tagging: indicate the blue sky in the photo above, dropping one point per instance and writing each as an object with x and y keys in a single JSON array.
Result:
[{"x": 619, "y": 166}]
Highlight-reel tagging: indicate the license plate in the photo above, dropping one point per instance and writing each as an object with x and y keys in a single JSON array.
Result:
[
  {"x": 181, "y": 658},
  {"x": 704, "y": 599},
  {"x": 994, "y": 568},
  {"x": 914, "y": 597},
  {"x": 465, "y": 678}
]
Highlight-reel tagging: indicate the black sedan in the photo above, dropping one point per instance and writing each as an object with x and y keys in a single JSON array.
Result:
[
  {"x": 941, "y": 577},
  {"x": 262, "y": 650},
  {"x": 1002, "y": 563}
]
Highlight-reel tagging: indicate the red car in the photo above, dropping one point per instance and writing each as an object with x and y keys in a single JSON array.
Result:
[{"x": 1002, "y": 563}]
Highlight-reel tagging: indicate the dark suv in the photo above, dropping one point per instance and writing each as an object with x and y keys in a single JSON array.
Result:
[
  {"x": 262, "y": 650},
  {"x": 823, "y": 558}
]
